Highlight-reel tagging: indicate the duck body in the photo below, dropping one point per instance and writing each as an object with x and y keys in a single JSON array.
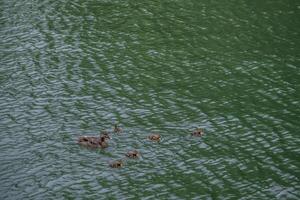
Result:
[
  {"x": 154, "y": 137},
  {"x": 116, "y": 164},
  {"x": 94, "y": 142},
  {"x": 132, "y": 154},
  {"x": 199, "y": 132}
]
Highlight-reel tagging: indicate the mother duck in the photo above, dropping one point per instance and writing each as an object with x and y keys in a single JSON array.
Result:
[{"x": 94, "y": 142}]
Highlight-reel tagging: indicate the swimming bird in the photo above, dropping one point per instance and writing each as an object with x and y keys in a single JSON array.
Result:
[
  {"x": 117, "y": 129},
  {"x": 198, "y": 132},
  {"x": 154, "y": 137},
  {"x": 132, "y": 154},
  {"x": 93, "y": 141},
  {"x": 116, "y": 164}
]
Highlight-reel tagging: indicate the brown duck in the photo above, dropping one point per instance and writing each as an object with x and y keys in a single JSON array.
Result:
[
  {"x": 94, "y": 142},
  {"x": 154, "y": 137},
  {"x": 133, "y": 154},
  {"x": 117, "y": 129},
  {"x": 198, "y": 132},
  {"x": 116, "y": 164}
]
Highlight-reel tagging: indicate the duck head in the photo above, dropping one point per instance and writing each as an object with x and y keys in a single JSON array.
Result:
[
  {"x": 103, "y": 138},
  {"x": 105, "y": 135}
]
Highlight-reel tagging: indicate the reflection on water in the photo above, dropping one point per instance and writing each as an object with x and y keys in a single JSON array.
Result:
[{"x": 77, "y": 67}]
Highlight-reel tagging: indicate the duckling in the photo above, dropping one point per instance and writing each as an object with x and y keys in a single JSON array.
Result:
[
  {"x": 154, "y": 137},
  {"x": 116, "y": 164},
  {"x": 132, "y": 154},
  {"x": 117, "y": 129},
  {"x": 199, "y": 132}
]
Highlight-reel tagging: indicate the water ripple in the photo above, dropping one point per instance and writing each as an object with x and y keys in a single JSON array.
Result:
[{"x": 76, "y": 67}]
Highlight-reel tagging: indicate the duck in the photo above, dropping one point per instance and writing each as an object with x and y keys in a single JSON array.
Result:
[
  {"x": 199, "y": 132},
  {"x": 154, "y": 137},
  {"x": 116, "y": 164},
  {"x": 117, "y": 129},
  {"x": 93, "y": 141},
  {"x": 132, "y": 154}
]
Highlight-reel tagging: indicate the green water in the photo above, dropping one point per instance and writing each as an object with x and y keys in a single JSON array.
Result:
[{"x": 71, "y": 68}]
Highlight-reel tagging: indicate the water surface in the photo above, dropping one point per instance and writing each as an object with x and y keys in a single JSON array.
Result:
[{"x": 71, "y": 68}]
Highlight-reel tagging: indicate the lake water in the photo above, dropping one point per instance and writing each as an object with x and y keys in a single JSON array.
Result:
[{"x": 76, "y": 67}]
